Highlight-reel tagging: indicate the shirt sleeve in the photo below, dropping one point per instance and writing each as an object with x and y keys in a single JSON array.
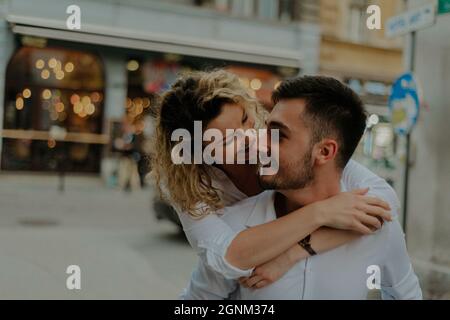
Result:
[
  {"x": 210, "y": 237},
  {"x": 398, "y": 280},
  {"x": 206, "y": 284},
  {"x": 357, "y": 176}
]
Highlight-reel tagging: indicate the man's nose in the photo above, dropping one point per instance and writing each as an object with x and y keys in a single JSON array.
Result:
[{"x": 265, "y": 143}]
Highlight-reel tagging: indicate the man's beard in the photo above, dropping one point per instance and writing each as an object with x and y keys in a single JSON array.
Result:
[{"x": 296, "y": 175}]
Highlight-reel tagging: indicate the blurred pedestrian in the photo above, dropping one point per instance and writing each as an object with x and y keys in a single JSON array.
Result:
[{"x": 128, "y": 174}]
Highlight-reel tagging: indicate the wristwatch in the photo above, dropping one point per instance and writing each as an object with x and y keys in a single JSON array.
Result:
[{"x": 306, "y": 244}]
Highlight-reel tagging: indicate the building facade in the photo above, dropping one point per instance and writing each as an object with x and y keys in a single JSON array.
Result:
[
  {"x": 350, "y": 49},
  {"x": 66, "y": 93}
]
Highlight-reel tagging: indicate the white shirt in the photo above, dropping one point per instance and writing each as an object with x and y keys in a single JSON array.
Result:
[
  {"x": 337, "y": 274},
  {"x": 211, "y": 236}
]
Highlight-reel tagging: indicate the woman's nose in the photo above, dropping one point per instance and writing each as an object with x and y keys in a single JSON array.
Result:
[{"x": 251, "y": 124}]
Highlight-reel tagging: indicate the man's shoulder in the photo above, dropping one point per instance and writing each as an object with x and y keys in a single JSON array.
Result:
[
  {"x": 242, "y": 210},
  {"x": 357, "y": 176},
  {"x": 378, "y": 243},
  {"x": 250, "y": 201}
]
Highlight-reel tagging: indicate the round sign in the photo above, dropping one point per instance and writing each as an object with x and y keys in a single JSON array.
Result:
[{"x": 404, "y": 104}]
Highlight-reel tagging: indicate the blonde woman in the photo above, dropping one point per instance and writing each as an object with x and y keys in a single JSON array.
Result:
[{"x": 200, "y": 191}]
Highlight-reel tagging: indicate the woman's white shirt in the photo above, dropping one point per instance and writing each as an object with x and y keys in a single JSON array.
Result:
[{"x": 211, "y": 236}]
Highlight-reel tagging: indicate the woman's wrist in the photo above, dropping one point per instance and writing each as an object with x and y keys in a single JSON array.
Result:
[
  {"x": 296, "y": 254},
  {"x": 318, "y": 214}
]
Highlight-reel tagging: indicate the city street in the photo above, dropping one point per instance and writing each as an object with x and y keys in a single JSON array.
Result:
[
  {"x": 103, "y": 90},
  {"x": 122, "y": 250}
]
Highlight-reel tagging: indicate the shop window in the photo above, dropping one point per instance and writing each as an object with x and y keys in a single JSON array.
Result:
[
  {"x": 357, "y": 30},
  {"x": 53, "y": 112},
  {"x": 147, "y": 79}
]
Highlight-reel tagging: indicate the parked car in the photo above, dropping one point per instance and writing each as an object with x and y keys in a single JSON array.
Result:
[
  {"x": 161, "y": 208},
  {"x": 164, "y": 211}
]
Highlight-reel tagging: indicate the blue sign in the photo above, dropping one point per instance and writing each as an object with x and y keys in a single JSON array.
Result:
[{"x": 404, "y": 104}]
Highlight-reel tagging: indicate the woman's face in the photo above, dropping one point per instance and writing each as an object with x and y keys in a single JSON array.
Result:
[{"x": 239, "y": 119}]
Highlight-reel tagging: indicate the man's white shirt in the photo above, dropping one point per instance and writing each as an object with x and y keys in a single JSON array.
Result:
[{"x": 341, "y": 273}]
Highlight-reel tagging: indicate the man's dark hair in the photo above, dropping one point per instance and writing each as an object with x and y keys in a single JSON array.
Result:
[{"x": 332, "y": 110}]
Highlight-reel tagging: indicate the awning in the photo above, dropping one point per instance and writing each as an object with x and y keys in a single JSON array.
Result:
[{"x": 157, "y": 42}]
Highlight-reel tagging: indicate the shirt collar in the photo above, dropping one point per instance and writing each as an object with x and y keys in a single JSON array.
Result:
[{"x": 263, "y": 211}]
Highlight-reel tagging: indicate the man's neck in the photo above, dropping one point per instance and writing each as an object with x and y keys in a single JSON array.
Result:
[
  {"x": 244, "y": 177},
  {"x": 325, "y": 185}
]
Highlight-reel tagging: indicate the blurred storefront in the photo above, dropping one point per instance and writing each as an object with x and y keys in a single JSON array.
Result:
[
  {"x": 68, "y": 93},
  {"x": 378, "y": 149},
  {"x": 50, "y": 89}
]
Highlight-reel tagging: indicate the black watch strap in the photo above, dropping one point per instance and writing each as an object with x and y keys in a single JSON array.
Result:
[{"x": 306, "y": 244}]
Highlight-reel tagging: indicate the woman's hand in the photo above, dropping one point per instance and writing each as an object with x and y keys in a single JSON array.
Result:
[
  {"x": 269, "y": 272},
  {"x": 353, "y": 211}
]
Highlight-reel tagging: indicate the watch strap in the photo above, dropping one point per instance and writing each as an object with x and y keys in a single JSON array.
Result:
[{"x": 306, "y": 245}]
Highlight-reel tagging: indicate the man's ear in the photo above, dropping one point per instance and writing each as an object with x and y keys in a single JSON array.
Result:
[{"x": 326, "y": 151}]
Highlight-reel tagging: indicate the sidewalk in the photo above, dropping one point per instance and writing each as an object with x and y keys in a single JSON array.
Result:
[{"x": 123, "y": 252}]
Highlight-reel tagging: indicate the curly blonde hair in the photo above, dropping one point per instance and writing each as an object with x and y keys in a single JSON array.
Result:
[{"x": 195, "y": 96}]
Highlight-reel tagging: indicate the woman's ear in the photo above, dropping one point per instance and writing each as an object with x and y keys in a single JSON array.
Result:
[{"x": 326, "y": 151}]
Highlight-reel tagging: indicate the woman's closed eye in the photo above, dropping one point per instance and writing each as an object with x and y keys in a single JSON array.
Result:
[{"x": 244, "y": 118}]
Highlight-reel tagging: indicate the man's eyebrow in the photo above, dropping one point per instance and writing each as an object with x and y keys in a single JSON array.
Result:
[{"x": 278, "y": 125}]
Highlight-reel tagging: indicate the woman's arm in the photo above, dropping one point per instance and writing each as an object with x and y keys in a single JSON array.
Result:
[
  {"x": 235, "y": 255},
  {"x": 349, "y": 211},
  {"x": 322, "y": 240},
  {"x": 354, "y": 176}
]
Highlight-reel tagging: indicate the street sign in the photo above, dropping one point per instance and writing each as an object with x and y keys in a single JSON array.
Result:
[
  {"x": 404, "y": 104},
  {"x": 444, "y": 6},
  {"x": 411, "y": 21}
]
